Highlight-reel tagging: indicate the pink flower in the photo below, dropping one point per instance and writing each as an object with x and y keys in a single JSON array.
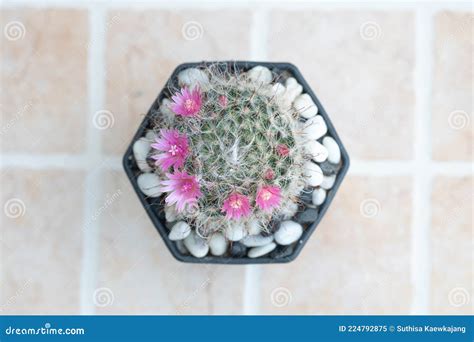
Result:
[
  {"x": 223, "y": 101},
  {"x": 269, "y": 174},
  {"x": 283, "y": 150},
  {"x": 174, "y": 148},
  {"x": 186, "y": 102},
  {"x": 183, "y": 189},
  {"x": 268, "y": 197},
  {"x": 236, "y": 206}
]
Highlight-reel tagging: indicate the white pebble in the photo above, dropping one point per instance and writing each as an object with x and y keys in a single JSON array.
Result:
[
  {"x": 328, "y": 182},
  {"x": 179, "y": 231},
  {"x": 257, "y": 240},
  {"x": 334, "y": 150},
  {"x": 274, "y": 91},
  {"x": 192, "y": 77},
  {"x": 149, "y": 184},
  {"x": 254, "y": 227},
  {"x": 218, "y": 244},
  {"x": 313, "y": 174},
  {"x": 293, "y": 89},
  {"x": 260, "y": 75},
  {"x": 165, "y": 109},
  {"x": 150, "y": 136},
  {"x": 260, "y": 251},
  {"x": 289, "y": 209},
  {"x": 196, "y": 245},
  {"x": 284, "y": 95},
  {"x": 315, "y": 128},
  {"x": 289, "y": 232},
  {"x": 170, "y": 214},
  {"x": 295, "y": 189},
  {"x": 181, "y": 247},
  {"x": 277, "y": 89},
  {"x": 317, "y": 151},
  {"x": 141, "y": 148},
  {"x": 235, "y": 231},
  {"x": 305, "y": 105},
  {"x": 319, "y": 196}
]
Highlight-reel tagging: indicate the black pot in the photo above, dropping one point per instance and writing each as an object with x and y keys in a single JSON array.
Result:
[{"x": 153, "y": 206}]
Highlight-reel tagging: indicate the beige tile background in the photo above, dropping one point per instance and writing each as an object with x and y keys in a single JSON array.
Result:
[
  {"x": 366, "y": 81},
  {"x": 75, "y": 85},
  {"x": 44, "y": 83}
]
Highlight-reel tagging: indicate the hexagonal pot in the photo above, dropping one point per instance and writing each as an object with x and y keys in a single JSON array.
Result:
[{"x": 154, "y": 208}]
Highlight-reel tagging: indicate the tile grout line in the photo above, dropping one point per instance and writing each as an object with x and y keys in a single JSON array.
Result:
[
  {"x": 210, "y": 5},
  {"x": 420, "y": 237},
  {"x": 258, "y": 35},
  {"x": 359, "y": 167},
  {"x": 93, "y": 184},
  {"x": 45, "y": 161},
  {"x": 251, "y": 297}
]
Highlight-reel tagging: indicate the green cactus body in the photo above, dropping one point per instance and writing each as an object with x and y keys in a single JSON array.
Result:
[{"x": 234, "y": 145}]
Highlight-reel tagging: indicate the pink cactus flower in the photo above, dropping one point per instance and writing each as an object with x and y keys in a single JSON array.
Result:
[
  {"x": 187, "y": 102},
  {"x": 223, "y": 101},
  {"x": 269, "y": 174},
  {"x": 173, "y": 147},
  {"x": 283, "y": 150},
  {"x": 184, "y": 190},
  {"x": 268, "y": 197},
  {"x": 236, "y": 206}
]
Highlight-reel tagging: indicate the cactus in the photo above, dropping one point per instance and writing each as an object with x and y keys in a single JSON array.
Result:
[
  {"x": 241, "y": 139},
  {"x": 240, "y": 163}
]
